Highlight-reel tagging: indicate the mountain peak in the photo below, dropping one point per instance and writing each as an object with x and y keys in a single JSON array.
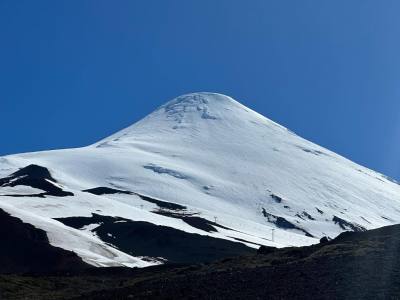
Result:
[
  {"x": 200, "y": 98},
  {"x": 198, "y": 103},
  {"x": 195, "y": 113}
]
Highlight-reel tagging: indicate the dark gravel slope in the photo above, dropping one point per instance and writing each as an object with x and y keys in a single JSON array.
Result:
[{"x": 363, "y": 265}]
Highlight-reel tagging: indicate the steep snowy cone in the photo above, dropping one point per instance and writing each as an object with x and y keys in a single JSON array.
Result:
[{"x": 202, "y": 164}]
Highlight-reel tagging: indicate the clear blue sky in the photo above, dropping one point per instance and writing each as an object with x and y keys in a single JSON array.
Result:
[{"x": 73, "y": 72}]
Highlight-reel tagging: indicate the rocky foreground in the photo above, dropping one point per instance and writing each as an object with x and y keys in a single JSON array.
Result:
[{"x": 361, "y": 265}]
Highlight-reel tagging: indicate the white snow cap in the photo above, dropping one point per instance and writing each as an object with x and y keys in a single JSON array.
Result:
[{"x": 197, "y": 111}]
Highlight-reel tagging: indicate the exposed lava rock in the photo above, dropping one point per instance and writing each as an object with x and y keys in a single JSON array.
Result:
[
  {"x": 276, "y": 198},
  {"x": 355, "y": 265},
  {"x": 160, "y": 203},
  {"x": 192, "y": 220},
  {"x": 347, "y": 225},
  {"x": 37, "y": 177},
  {"x": 24, "y": 248},
  {"x": 265, "y": 250},
  {"x": 106, "y": 191},
  {"x": 281, "y": 222},
  {"x": 146, "y": 239}
]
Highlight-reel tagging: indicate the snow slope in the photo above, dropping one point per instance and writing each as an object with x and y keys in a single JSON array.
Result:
[{"x": 219, "y": 159}]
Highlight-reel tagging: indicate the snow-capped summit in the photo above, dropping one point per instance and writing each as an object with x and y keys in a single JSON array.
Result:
[
  {"x": 195, "y": 112},
  {"x": 202, "y": 165}
]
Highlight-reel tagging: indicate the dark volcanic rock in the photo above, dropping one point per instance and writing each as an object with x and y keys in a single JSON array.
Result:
[
  {"x": 265, "y": 250},
  {"x": 162, "y": 204},
  {"x": 276, "y": 198},
  {"x": 192, "y": 220},
  {"x": 355, "y": 265},
  {"x": 146, "y": 239},
  {"x": 347, "y": 225},
  {"x": 24, "y": 248},
  {"x": 281, "y": 222},
  {"x": 37, "y": 177},
  {"x": 106, "y": 191}
]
